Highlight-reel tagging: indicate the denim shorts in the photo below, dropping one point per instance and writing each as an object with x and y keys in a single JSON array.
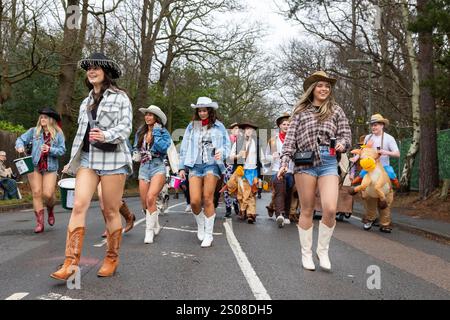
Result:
[
  {"x": 201, "y": 170},
  {"x": 84, "y": 163},
  {"x": 327, "y": 168},
  {"x": 151, "y": 168}
]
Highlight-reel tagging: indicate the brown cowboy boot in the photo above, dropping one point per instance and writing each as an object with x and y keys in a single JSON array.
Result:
[
  {"x": 51, "y": 215},
  {"x": 74, "y": 244},
  {"x": 40, "y": 221},
  {"x": 111, "y": 260},
  {"x": 128, "y": 215}
]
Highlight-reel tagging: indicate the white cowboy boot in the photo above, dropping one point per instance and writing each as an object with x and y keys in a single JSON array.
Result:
[
  {"x": 209, "y": 226},
  {"x": 323, "y": 244},
  {"x": 150, "y": 219},
  {"x": 306, "y": 238},
  {"x": 157, "y": 227},
  {"x": 200, "y": 218}
]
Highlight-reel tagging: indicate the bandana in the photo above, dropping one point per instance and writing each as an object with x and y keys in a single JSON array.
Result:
[
  {"x": 205, "y": 122},
  {"x": 282, "y": 136}
]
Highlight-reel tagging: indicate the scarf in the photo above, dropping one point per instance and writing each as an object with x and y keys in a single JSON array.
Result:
[{"x": 282, "y": 136}]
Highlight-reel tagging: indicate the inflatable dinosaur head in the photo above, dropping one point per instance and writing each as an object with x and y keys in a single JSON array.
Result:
[{"x": 240, "y": 171}]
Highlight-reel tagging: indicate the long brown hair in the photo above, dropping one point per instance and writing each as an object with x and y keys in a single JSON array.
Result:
[
  {"x": 108, "y": 83},
  {"x": 212, "y": 116},
  {"x": 325, "y": 109},
  {"x": 143, "y": 130}
]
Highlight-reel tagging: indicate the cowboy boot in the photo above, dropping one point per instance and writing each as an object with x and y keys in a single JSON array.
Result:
[
  {"x": 111, "y": 260},
  {"x": 74, "y": 244},
  {"x": 323, "y": 244},
  {"x": 157, "y": 226},
  {"x": 306, "y": 238},
  {"x": 40, "y": 221},
  {"x": 150, "y": 221},
  {"x": 209, "y": 226},
  {"x": 200, "y": 218},
  {"x": 128, "y": 215},
  {"x": 51, "y": 215}
]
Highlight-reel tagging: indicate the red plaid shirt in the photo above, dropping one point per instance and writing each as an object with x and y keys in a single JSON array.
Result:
[{"x": 305, "y": 131}]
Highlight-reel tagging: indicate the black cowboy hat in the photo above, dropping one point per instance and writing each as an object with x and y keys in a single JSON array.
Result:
[
  {"x": 244, "y": 125},
  {"x": 51, "y": 113},
  {"x": 100, "y": 60}
]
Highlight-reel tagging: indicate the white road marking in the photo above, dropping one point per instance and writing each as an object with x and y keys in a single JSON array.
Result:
[
  {"x": 17, "y": 296},
  {"x": 101, "y": 244},
  {"x": 250, "y": 275},
  {"x": 55, "y": 296},
  {"x": 177, "y": 254}
]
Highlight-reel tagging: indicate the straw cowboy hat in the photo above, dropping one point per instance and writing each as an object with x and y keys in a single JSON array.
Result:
[
  {"x": 156, "y": 111},
  {"x": 51, "y": 113},
  {"x": 281, "y": 118},
  {"x": 100, "y": 60},
  {"x": 205, "y": 102},
  {"x": 234, "y": 124},
  {"x": 378, "y": 118},
  {"x": 247, "y": 124},
  {"x": 317, "y": 76}
]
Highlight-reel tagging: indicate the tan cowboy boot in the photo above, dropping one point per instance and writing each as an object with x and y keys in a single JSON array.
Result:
[
  {"x": 74, "y": 244},
  {"x": 128, "y": 215},
  {"x": 111, "y": 260}
]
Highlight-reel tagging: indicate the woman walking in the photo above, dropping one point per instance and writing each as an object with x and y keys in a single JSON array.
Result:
[
  {"x": 204, "y": 148},
  {"x": 48, "y": 144},
  {"x": 317, "y": 124},
  {"x": 99, "y": 154},
  {"x": 152, "y": 141}
]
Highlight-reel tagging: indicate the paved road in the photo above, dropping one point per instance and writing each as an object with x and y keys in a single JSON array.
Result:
[{"x": 246, "y": 262}]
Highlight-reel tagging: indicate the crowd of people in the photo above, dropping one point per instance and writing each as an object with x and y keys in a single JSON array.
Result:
[{"x": 301, "y": 160}]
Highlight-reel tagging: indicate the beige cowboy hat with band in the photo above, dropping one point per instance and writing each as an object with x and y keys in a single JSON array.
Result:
[
  {"x": 156, "y": 111},
  {"x": 378, "y": 118},
  {"x": 280, "y": 119},
  {"x": 317, "y": 76}
]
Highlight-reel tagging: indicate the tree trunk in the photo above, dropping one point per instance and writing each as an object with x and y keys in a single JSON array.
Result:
[
  {"x": 444, "y": 190},
  {"x": 415, "y": 108},
  {"x": 429, "y": 173},
  {"x": 73, "y": 43}
]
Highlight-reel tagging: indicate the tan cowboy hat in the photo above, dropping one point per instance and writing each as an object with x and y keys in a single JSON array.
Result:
[
  {"x": 2, "y": 153},
  {"x": 156, "y": 111},
  {"x": 281, "y": 118},
  {"x": 378, "y": 118},
  {"x": 234, "y": 124},
  {"x": 247, "y": 124},
  {"x": 317, "y": 76}
]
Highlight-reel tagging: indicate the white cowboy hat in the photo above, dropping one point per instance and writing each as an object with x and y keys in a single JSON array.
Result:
[
  {"x": 156, "y": 111},
  {"x": 205, "y": 102}
]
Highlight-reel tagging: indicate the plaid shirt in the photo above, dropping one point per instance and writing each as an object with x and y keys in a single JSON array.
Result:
[
  {"x": 305, "y": 131},
  {"x": 114, "y": 118}
]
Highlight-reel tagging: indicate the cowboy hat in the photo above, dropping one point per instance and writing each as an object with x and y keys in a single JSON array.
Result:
[
  {"x": 156, "y": 111},
  {"x": 281, "y": 118},
  {"x": 100, "y": 60},
  {"x": 378, "y": 118},
  {"x": 205, "y": 102},
  {"x": 51, "y": 113},
  {"x": 317, "y": 76},
  {"x": 247, "y": 124},
  {"x": 234, "y": 124},
  {"x": 2, "y": 153}
]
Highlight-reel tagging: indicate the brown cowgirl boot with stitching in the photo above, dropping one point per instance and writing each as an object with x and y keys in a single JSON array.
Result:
[
  {"x": 111, "y": 260},
  {"x": 74, "y": 244},
  {"x": 128, "y": 215}
]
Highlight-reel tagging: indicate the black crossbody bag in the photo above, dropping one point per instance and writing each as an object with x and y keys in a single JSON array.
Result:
[
  {"x": 104, "y": 146},
  {"x": 303, "y": 158}
]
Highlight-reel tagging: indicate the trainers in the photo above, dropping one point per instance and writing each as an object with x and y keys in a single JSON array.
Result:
[
  {"x": 188, "y": 209},
  {"x": 386, "y": 229},
  {"x": 287, "y": 221},
  {"x": 280, "y": 221},
  {"x": 368, "y": 225},
  {"x": 228, "y": 213}
]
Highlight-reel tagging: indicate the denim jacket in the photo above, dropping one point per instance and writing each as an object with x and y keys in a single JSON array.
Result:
[
  {"x": 162, "y": 141},
  {"x": 57, "y": 147},
  {"x": 190, "y": 145}
]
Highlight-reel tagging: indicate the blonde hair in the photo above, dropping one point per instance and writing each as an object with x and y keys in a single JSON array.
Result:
[
  {"x": 325, "y": 109},
  {"x": 52, "y": 127}
]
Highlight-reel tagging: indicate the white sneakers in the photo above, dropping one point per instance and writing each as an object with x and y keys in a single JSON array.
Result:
[
  {"x": 152, "y": 226},
  {"x": 188, "y": 209},
  {"x": 287, "y": 221},
  {"x": 209, "y": 226},
  {"x": 200, "y": 218},
  {"x": 280, "y": 221}
]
